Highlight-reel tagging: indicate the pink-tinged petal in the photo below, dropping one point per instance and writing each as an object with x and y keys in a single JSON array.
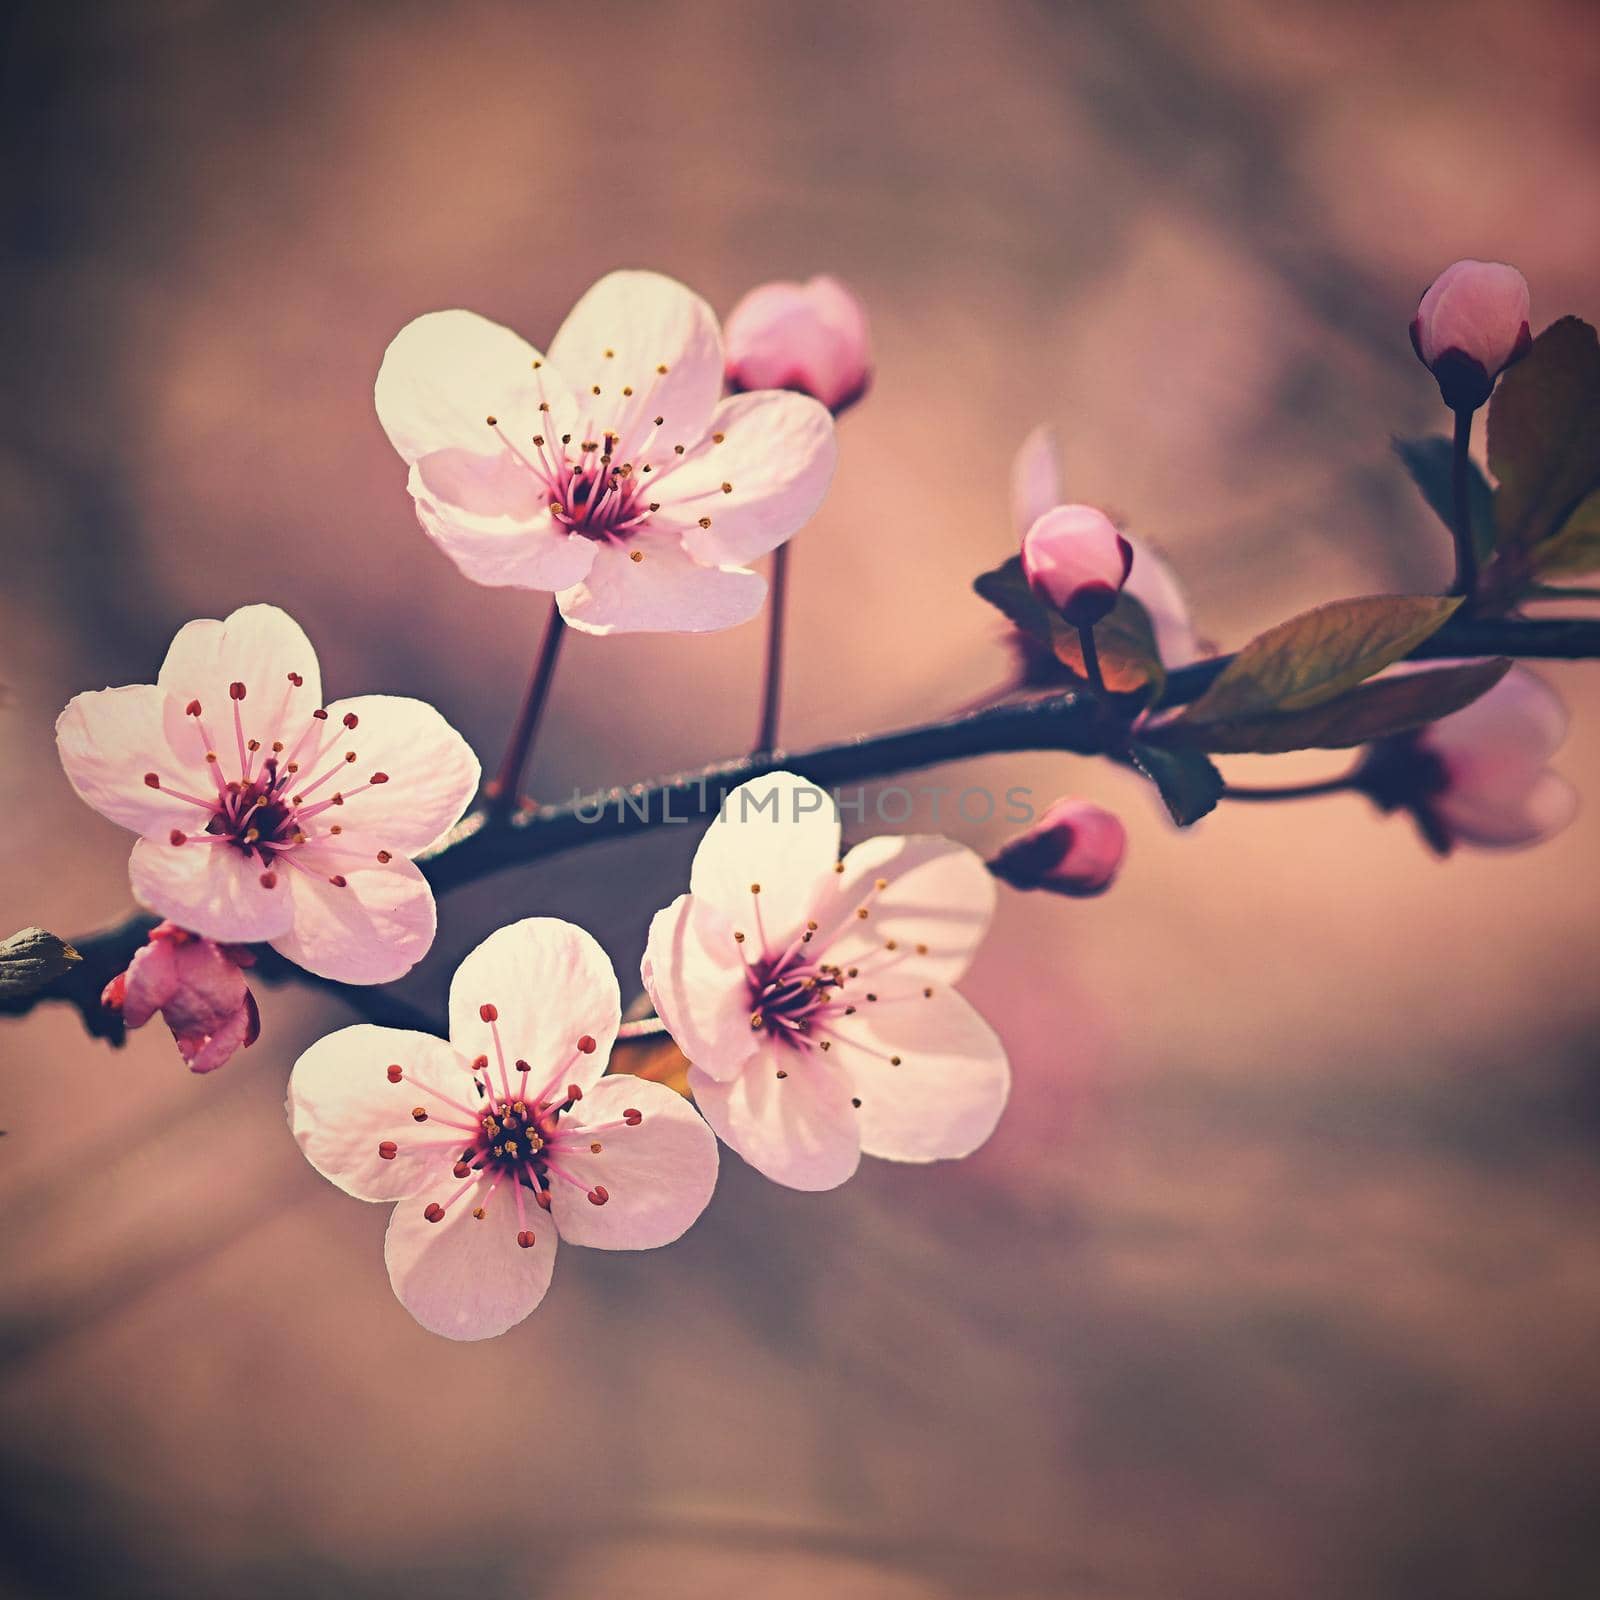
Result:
[
  {"x": 779, "y": 832},
  {"x": 1505, "y": 812},
  {"x": 429, "y": 770},
  {"x": 1076, "y": 561},
  {"x": 510, "y": 543},
  {"x": 445, "y": 374},
  {"x": 1152, "y": 582},
  {"x": 205, "y": 1052},
  {"x": 1479, "y": 308},
  {"x": 648, "y": 333},
  {"x": 666, "y": 591},
  {"x": 259, "y": 647},
  {"x": 656, "y": 1170},
  {"x": 930, "y": 1073},
  {"x": 757, "y": 478},
  {"x": 799, "y": 1129},
  {"x": 1520, "y": 720},
  {"x": 1038, "y": 479},
  {"x": 551, "y": 986},
  {"x": 345, "y": 1109},
  {"x": 935, "y": 908},
  {"x": 372, "y": 928},
  {"x": 1075, "y": 848},
  {"x": 212, "y": 889},
  {"x": 210, "y": 988},
  {"x": 463, "y": 1277},
  {"x": 695, "y": 977},
  {"x": 109, "y": 739},
  {"x": 810, "y": 337},
  {"x": 150, "y": 981}
]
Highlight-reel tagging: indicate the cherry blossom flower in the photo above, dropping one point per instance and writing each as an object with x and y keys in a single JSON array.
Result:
[
  {"x": 1038, "y": 482},
  {"x": 1471, "y": 325},
  {"x": 609, "y": 470},
  {"x": 1075, "y": 560},
  {"x": 814, "y": 997},
  {"x": 1480, "y": 775},
  {"x": 265, "y": 815},
  {"x": 811, "y": 337},
  {"x": 507, "y": 1137},
  {"x": 199, "y": 989},
  {"x": 1075, "y": 848}
]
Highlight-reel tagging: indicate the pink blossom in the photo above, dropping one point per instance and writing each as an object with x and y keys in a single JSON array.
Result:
[
  {"x": 1076, "y": 561},
  {"x": 608, "y": 470},
  {"x": 814, "y": 998},
  {"x": 1471, "y": 325},
  {"x": 1038, "y": 484},
  {"x": 507, "y": 1137},
  {"x": 198, "y": 988},
  {"x": 1480, "y": 776},
  {"x": 262, "y": 813},
  {"x": 810, "y": 337},
  {"x": 1075, "y": 848}
]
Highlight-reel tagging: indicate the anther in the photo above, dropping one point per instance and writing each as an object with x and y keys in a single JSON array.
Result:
[
  {"x": 252, "y": 745},
  {"x": 388, "y": 1150},
  {"x": 479, "y": 1213},
  {"x": 662, "y": 369},
  {"x": 384, "y": 858},
  {"x": 177, "y": 836},
  {"x": 236, "y": 690},
  {"x": 379, "y": 777},
  {"x": 633, "y": 1117},
  {"x": 717, "y": 438},
  {"x": 586, "y": 1044},
  {"x": 894, "y": 1061},
  {"x": 349, "y": 756},
  {"x": 541, "y": 1199},
  {"x": 320, "y": 714},
  {"x": 598, "y": 1195},
  {"x": 636, "y": 555},
  {"x": 395, "y": 1072},
  {"x": 269, "y": 880},
  {"x": 350, "y": 719},
  {"x": 488, "y": 1013},
  {"x": 596, "y": 1148},
  {"x": 927, "y": 994},
  {"x": 480, "y": 1064},
  {"x": 525, "y": 1238},
  {"x": 151, "y": 781},
  {"x": 727, "y": 488},
  {"x": 419, "y": 1114},
  {"x": 705, "y": 522},
  {"x": 862, "y": 913},
  {"x": 338, "y": 880},
  {"x": 574, "y": 1093},
  {"x": 434, "y": 1212},
  {"x": 296, "y": 679},
  {"x": 782, "y": 1073},
  {"x": 193, "y": 708},
  {"x": 856, "y": 1103},
  {"x": 523, "y": 1066},
  {"x": 492, "y": 421}
]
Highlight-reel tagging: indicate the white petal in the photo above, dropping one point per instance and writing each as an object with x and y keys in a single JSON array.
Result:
[
  {"x": 108, "y": 740},
  {"x": 776, "y": 457},
  {"x": 657, "y": 1174},
  {"x": 799, "y": 1130},
  {"x": 945, "y": 1095},
  {"x": 431, "y": 771},
  {"x": 462, "y": 1277},
  {"x": 342, "y": 1107},
  {"x": 782, "y": 833},
  {"x": 1037, "y": 478},
  {"x": 1506, "y": 814},
  {"x": 373, "y": 929},
  {"x": 693, "y": 973},
  {"x": 445, "y": 374},
  {"x": 1520, "y": 720},
  {"x": 210, "y": 889},
  {"x": 260, "y": 647},
  {"x": 552, "y": 985},
  {"x": 667, "y": 591}
]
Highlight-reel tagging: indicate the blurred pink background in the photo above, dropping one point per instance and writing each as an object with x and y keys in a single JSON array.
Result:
[{"x": 1280, "y": 1276}]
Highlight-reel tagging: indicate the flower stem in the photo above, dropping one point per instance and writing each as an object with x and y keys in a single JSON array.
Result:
[
  {"x": 1091, "y": 662},
  {"x": 772, "y": 686},
  {"x": 1466, "y": 583},
  {"x": 1288, "y": 791},
  {"x": 502, "y": 790}
]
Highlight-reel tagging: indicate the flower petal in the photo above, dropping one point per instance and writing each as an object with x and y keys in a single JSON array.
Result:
[
  {"x": 342, "y": 1106},
  {"x": 1037, "y": 478},
  {"x": 1520, "y": 720},
  {"x": 1503, "y": 815},
  {"x": 463, "y": 1277},
  {"x": 445, "y": 374},
  {"x": 759, "y": 484},
  {"x": 666, "y": 591},
  {"x": 799, "y": 1130},
  {"x": 211, "y": 889},
  {"x": 431, "y": 771},
  {"x": 373, "y": 928},
  {"x": 930, "y": 1073},
  {"x": 694, "y": 974},
  {"x": 648, "y": 333},
  {"x": 552, "y": 985},
  {"x": 939, "y": 894},
  {"x": 108, "y": 740},
  {"x": 150, "y": 981},
  {"x": 258, "y": 646},
  {"x": 512, "y": 542},
  {"x": 1152, "y": 582},
  {"x": 782, "y": 833},
  {"x": 657, "y": 1171}
]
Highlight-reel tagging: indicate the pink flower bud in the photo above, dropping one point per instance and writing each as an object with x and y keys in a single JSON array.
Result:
[
  {"x": 1075, "y": 848},
  {"x": 810, "y": 337},
  {"x": 1471, "y": 325},
  {"x": 1076, "y": 561},
  {"x": 198, "y": 988}
]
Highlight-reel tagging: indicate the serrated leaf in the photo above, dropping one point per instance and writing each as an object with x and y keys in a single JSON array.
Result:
[
  {"x": 1189, "y": 783},
  {"x": 1576, "y": 548},
  {"x": 1544, "y": 436},
  {"x": 1373, "y": 710},
  {"x": 1430, "y": 462},
  {"x": 31, "y": 959},
  {"x": 1319, "y": 654},
  {"x": 1129, "y": 658}
]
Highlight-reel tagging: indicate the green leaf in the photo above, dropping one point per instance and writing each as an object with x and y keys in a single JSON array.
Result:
[
  {"x": 1189, "y": 783},
  {"x": 1544, "y": 436},
  {"x": 1318, "y": 655},
  {"x": 31, "y": 959},
  {"x": 1129, "y": 658},
  {"x": 1429, "y": 463},
  {"x": 1576, "y": 548},
  {"x": 1373, "y": 710}
]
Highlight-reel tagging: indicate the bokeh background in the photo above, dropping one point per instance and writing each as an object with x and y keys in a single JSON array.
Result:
[{"x": 1280, "y": 1276}]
